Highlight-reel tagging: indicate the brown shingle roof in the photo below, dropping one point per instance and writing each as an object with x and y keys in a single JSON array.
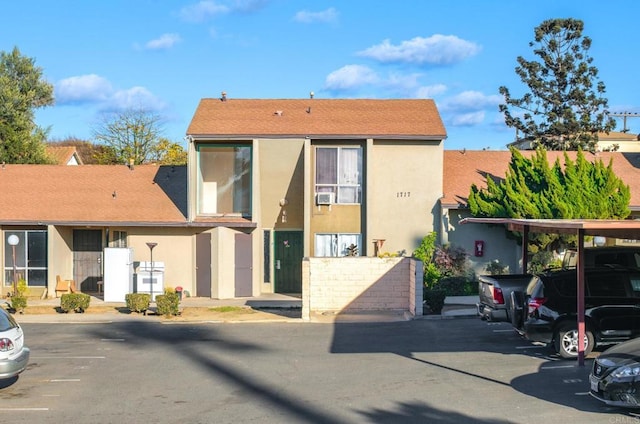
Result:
[
  {"x": 146, "y": 195},
  {"x": 63, "y": 154},
  {"x": 399, "y": 118},
  {"x": 463, "y": 168}
]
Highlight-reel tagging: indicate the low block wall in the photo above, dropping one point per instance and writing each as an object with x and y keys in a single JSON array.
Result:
[{"x": 361, "y": 284}]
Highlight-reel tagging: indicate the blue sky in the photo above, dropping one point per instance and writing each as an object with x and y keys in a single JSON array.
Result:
[{"x": 165, "y": 56}]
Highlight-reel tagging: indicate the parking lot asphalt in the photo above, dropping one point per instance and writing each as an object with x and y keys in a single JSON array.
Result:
[{"x": 423, "y": 371}]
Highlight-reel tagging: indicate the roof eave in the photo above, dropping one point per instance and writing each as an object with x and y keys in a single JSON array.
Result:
[{"x": 203, "y": 137}]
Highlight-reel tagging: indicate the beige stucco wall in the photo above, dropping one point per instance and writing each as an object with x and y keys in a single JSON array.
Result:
[
  {"x": 176, "y": 248},
  {"x": 60, "y": 255},
  {"x": 281, "y": 179},
  {"x": 222, "y": 263},
  {"x": 361, "y": 284},
  {"x": 404, "y": 183},
  {"x": 496, "y": 247}
]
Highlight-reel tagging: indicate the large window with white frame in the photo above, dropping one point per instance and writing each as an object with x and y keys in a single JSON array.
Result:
[
  {"x": 224, "y": 179},
  {"x": 339, "y": 171},
  {"x": 336, "y": 245},
  {"x": 30, "y": 257}
]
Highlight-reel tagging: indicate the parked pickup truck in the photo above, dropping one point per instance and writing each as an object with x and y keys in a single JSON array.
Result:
[
  {"x": 502, "y": 297},
  {"x": 495, "y": 293}
]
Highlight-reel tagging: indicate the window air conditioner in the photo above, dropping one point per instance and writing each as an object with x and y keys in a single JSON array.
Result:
[{"x": 324, "y": 198}]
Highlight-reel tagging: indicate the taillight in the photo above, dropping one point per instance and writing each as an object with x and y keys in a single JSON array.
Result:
[
  {"x": 535, "y": 303},
  {"x": 498, "y": 297},
  {"x": 6, "y": 345}
]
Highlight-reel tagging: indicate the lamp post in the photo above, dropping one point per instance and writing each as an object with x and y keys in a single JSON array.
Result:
[
  {"x": 151, "y": 246},
  {"x": 13, "y": 242}
]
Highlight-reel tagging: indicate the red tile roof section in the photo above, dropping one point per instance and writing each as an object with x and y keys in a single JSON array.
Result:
[
  {"x": 463, "y": 168},
  {"x": 412, "y": 118},
  {"x": 86, "y": 194}
]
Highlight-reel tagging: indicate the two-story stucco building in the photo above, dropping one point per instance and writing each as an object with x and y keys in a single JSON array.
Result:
[{"x": 269, "y": 181}]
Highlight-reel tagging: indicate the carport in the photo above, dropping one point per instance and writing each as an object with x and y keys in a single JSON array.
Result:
[{"x": 621, "y": 229}]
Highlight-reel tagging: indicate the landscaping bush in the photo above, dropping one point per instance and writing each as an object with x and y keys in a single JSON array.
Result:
[
  {"x": 18, "y": 303},
  {"x": 138, "y": 302},
  {"x": 434, "y": 299},
  {"x": 167, "y": 304},
  {"x": 78, "y": 302},
  {"x": 452, "y": 286}
]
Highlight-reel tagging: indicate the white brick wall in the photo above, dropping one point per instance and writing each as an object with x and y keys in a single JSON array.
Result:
[{"x": 361, "y": 284}]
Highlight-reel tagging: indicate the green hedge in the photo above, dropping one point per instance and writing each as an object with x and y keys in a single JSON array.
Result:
[
  {"x": 18, "y": 303},
  {"x": 167, "y": 304},
  {"x": 434, "y": 299},
  {"x": 78, "y": 302},
  {"x": 138, "y": 302}
]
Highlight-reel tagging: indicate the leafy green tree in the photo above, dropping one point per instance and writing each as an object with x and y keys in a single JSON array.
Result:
[
  {"x": 22, "y": 91},
  {"x": 131, "y": 136},
  {"x": 165, "y": 152},
  {"x": 565, "y": 108},
  {"x": 533, "y": 189}
]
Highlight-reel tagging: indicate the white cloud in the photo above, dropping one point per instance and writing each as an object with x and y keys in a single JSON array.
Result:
[
  {"x": 248, "y": 6},
  {"x": 325, "y": 16},
  {"x": 203, "y": 10},
  {"x": 437, "y": 50},
  {"x": 351, "y": 76},
  {"x": 430, "y": 91},
  {"x": 82, "y": 89},
  {"x": 471, "y": 100},
  {"x": 208, "y": 9},
  {"x": 135, "y": 97},
  {"x": 467, "y": 119},
  {"x": 95, "y": 90},
  {"x": 165, "y": 41}
]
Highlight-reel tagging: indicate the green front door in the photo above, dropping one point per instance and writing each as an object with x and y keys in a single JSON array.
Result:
[{"x": 288, "y": 251}]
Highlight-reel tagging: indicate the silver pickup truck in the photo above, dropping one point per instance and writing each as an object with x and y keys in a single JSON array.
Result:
[
  {"x": 495, "y": 303},
  {"x": 501, "y": 297}
]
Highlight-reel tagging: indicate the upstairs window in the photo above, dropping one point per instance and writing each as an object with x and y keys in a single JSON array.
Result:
[
  {"x": 339, "y": 171},
  {"x": 224, "y": 180}
]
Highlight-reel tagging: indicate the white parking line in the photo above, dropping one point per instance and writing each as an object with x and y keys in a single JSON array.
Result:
[
  {"x": 556, "y": 367},
  {"x": 112, "y": 340},
  {"x": 530, "y": 347},
  {"x": 502, "y": 331},
  {"x": 68, "y": 357},
  {"x": 65, "y": 380},
  {"x": 24, "y": 409}
]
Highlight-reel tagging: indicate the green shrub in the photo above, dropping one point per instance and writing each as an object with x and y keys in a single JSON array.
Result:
[
  {"x": 18, "y": 303},
  {"x": 78, "y": 302},
  {"x": 138, "y": 302},
  {"x": 167, "y": 304},
  {"x": 452, "y": 286},
  {"x": 434, "y": 299}
]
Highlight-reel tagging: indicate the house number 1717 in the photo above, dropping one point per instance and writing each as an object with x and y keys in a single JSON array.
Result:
[{"x": 403, "y": 194}]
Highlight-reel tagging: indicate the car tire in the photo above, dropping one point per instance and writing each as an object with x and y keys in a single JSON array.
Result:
[{"x": 566, "y": 342}]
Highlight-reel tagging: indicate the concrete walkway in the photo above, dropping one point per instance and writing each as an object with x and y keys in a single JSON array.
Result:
[{"x": 455, "y": 307}]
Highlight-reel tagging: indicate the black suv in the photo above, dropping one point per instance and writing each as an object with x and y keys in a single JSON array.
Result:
[{"x": 612, "y": 308}]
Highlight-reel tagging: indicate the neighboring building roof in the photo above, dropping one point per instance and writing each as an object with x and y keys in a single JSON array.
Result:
[
  {"x": 617, "y": 136},
  {"x": 317, "y": 118},
  {"x": 94, "y": 194},
  {"x": 624, "y": 140},
  {"x": 467, "y": 167},
  {"x": 64, "y": 155}
]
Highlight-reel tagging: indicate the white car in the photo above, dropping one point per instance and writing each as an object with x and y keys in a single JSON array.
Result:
[{"x": 14, "y": 355}]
